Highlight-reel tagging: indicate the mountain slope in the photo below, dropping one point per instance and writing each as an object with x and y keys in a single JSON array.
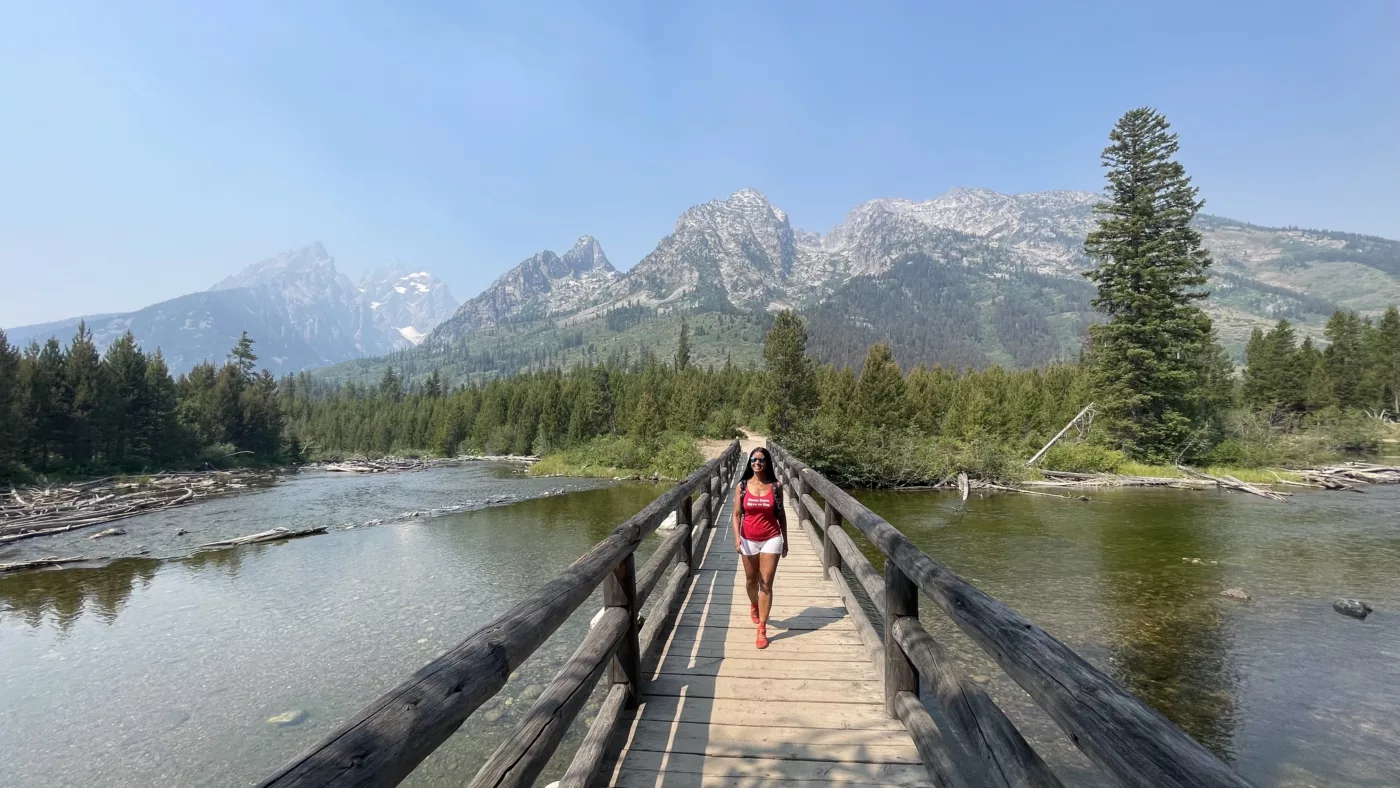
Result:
[
  {"x": 970, "y": 277},
  {"x": 298, "y": 308}
]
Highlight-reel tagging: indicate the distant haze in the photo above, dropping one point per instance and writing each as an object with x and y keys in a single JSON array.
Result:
[{"x": 149, "y": 152}]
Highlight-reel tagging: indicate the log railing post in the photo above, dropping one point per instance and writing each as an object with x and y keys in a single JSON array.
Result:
[
  {"x": 831, "y": 557},
  {"x": 620, "y": 590},
  {"x": 683, "y": 524},
  {"x": 901, "y": 600}
]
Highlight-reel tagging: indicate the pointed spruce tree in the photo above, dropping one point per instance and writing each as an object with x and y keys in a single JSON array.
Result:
[
  {"x": 1153, "y": 356},
  {"x": 683, "y": 347},
  {"x": 793, "y": 396}
]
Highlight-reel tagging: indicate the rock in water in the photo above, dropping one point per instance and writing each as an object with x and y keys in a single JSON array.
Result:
[
  {"x": 288, "y": 719},
  {"x": 1236, "y": 593},
  {"x": 107, "y": 533},
  {"x": 1352, "y": 607}
]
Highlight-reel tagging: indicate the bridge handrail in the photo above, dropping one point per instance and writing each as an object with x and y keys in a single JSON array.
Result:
[
  {"x": 1130, "y": 741},
  {"x": 388, "y": 738}
]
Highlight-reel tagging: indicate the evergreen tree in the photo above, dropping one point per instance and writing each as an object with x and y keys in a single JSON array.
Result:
[
  {"x": 83, "y": 396},
  {"x": 683, "y": 347},
  {"x": 1345, "y": 359},
  {"x": 1148, "y": 358},
  {"x": 1386, "y": 360},
  {"x": 432, "y": 387},
  {"x": 9, "y": 418},
  {"x": 881, "y": 395},
  {"x": 391, "y": 385},
  {"x": 242, "y": 355},
  {"x": 793, "y": 394}
]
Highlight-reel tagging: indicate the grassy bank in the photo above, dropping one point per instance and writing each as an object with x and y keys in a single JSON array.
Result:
[{"x": 672, "y": 457}]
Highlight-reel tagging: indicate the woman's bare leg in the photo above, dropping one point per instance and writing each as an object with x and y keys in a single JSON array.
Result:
[
  {"x": 767, "y": 568},
  {"x": 751, "y": 576}
]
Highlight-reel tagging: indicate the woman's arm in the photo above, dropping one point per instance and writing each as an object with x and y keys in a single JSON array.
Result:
[
  {"x": 737, "y": 515},
  {"x": 781, "y": 513}
]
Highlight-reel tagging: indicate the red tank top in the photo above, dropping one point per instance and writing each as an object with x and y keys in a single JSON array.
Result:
[{"x": 760, "y": 521}]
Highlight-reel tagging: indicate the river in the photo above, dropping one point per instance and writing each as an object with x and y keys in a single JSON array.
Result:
[{"x": 166, "y": 672}]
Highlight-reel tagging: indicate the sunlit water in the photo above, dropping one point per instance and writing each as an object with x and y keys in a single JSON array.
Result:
[
  {"x": 151, "y": 672},
  {"x": 166, "y": 673},
  {"x": 1285, "y": 689}
]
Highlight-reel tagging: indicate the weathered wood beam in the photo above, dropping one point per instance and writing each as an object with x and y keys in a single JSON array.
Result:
[
  {"x": 981, "y": 724},
  {"x": 583, "y": 769},
  {"x": 934, "y": 750},
  {"x": 655, "y": 568},
  {"x": 523, "y": 755}
]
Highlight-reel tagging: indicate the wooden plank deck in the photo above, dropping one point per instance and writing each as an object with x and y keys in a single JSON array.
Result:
[{"x": 808, "y": 709}]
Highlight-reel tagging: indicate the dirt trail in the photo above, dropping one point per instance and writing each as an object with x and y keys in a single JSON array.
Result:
[{"x": 712, "y": 448}]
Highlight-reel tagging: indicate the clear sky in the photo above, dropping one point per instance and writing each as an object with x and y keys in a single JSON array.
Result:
[{"x": 149, "y": 149}]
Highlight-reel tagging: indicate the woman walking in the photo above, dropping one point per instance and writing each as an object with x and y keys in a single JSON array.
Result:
[{"x": 760, "y": 535}]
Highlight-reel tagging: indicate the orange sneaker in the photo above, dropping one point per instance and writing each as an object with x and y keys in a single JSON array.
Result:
[
  {"x": 753, "y": 612},
  {"x": 762, "y": 641}
]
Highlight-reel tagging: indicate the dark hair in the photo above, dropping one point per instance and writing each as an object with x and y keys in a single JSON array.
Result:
[{"x": 768, "y": 472}]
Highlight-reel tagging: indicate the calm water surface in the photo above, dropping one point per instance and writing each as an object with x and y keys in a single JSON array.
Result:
[
  {"x": 165, "y": 672},
  {"x": 1288, "y": 691}
]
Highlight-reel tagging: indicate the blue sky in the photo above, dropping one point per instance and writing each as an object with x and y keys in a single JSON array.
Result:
[{"x": 149, "y": 149}]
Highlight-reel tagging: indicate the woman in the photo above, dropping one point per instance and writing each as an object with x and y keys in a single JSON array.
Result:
[{"x": 760, "y": 535}]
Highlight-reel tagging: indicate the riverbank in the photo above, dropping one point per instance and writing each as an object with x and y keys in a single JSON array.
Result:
[{"x": 334, "y": 499}]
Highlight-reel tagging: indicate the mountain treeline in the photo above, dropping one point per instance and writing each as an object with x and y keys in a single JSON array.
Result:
[{"x": 73, "y": 409}]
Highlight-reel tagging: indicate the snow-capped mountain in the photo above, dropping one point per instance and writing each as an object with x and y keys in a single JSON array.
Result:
[
  {"x": 541, "y": 286},
  {"x": 410, "y": 304},
  {"x": 300, "y": 311}
]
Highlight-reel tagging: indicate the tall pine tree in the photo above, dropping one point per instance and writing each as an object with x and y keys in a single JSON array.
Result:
[
  {"x": 794, "y": 389},
  {"x": 1152, "y": 358}
]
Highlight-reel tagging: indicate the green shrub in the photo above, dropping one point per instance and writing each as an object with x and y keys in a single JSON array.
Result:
[
  {"x": 677, "y": 458},
  {"x": 723, "y": 424},
  {"x": 1082, "y": 458}
]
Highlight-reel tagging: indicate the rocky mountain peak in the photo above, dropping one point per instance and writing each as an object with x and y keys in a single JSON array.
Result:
[
  {"x": 311, "y": 263},
  {"x": 585, "y": 256}
]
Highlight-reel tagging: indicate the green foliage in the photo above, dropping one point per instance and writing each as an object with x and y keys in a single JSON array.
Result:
[
  {"x": 881, "y": 394},
  {"x": 71, "y": 410},
  {"x": 1157, "y": 368},
  {"x": 673, "y": 457},
  {"x": 1083, "y": 458},
  {"x": 793, "y": 394}
]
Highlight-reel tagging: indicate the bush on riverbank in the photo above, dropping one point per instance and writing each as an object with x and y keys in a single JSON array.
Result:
[
  {"x": 864, "y": 457},
  {"x": 672, "y": 457}
]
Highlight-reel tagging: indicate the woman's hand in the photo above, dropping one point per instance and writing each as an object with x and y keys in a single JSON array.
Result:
[
  {"x": 784, "y": 548},
  {"x": 738, "y": 548}
]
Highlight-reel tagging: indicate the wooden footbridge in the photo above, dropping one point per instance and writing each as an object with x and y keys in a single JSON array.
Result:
[{"x": 835, "y": 699}]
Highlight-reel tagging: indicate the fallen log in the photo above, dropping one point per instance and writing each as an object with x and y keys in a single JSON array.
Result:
[
  {"x": 41, "y": 563},
  {"x": 274, "y": 535},
  {"x": 1231, "y": 483}
]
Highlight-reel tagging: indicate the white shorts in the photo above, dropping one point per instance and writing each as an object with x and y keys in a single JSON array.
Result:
[{"x": 772, "y": 546}]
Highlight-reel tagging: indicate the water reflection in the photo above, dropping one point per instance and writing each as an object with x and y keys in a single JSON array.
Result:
[
  {"x": 1289, "y": 692},
  {"x": 62, "y": 597},
  {"x": 1167, "y": 640}
]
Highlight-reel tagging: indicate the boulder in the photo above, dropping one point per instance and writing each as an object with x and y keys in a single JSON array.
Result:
[
  {"x": 288, "y": 718},
  {"x": 1236, "y": 593},
  {"x": 1352, "y": 607}
]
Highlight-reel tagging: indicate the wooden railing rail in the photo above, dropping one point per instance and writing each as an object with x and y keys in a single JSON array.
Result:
[
  {"x": 1133, "y": 743},
  {"x": 383, "y": 743}
]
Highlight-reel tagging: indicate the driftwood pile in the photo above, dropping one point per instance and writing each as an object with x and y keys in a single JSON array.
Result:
[
  {"x": 398, "y": 464},
  {"x": 55, "y": 509},
  {"x": 1347, "y": 475}
]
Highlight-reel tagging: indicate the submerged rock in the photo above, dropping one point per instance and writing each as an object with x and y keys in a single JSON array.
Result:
[
  {"x": 107, "y": 533},
  {"x": 288, "y": 718},
  {"x": 1236, "y": 593},
  {"x": 1352, "y": 607}
]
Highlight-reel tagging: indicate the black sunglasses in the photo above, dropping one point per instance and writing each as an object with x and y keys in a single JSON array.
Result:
[{"x": 753, "y": 460}]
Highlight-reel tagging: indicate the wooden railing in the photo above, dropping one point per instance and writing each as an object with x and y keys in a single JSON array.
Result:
[
  {"x": 1134, "y": 744},
  {"x": 382, "y": 744}
]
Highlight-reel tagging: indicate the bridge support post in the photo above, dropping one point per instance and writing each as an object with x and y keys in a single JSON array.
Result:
[
  {"x": 831, "y": 557},
  {"x": 687, "y": 545},
  {"x": 620, "y": 590},
  {"x": 901, "y": 600}
]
